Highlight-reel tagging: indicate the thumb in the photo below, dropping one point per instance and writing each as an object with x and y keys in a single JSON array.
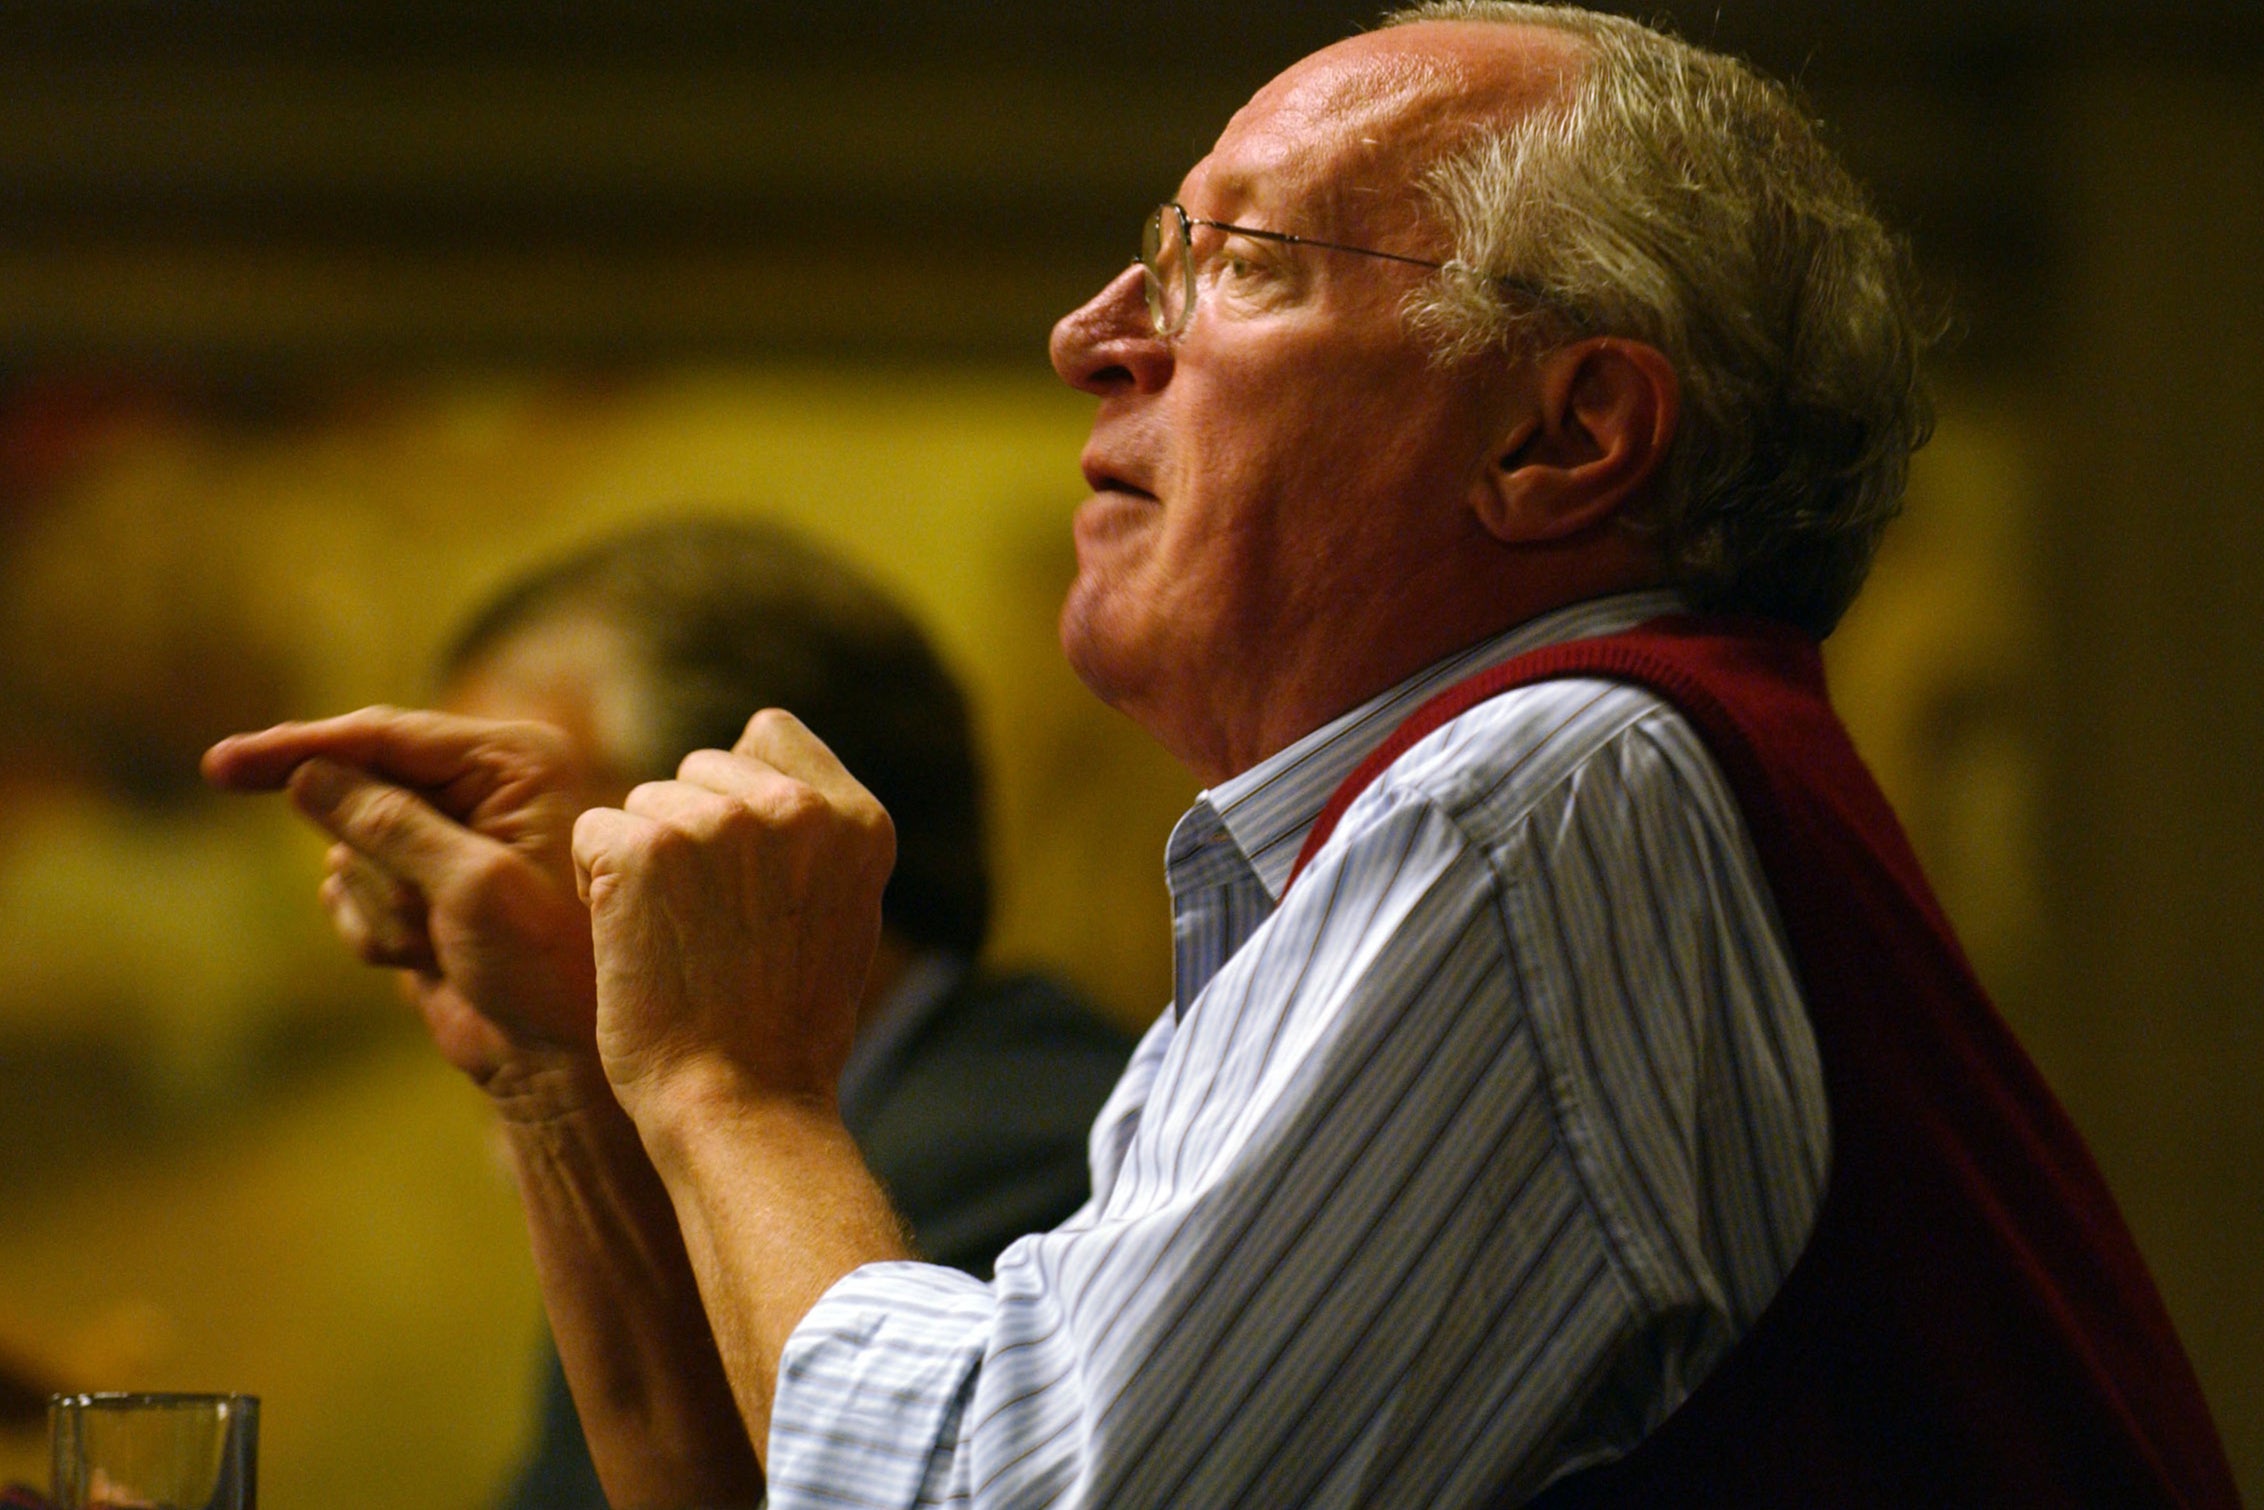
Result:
[
  {"x": 597, "y": 836},
  {"x": 391, "y": 825}
]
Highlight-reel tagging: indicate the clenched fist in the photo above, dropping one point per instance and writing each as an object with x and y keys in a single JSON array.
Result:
[{"x": 734, "y": 912}]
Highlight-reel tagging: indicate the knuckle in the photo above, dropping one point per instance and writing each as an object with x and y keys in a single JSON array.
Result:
[
  {"x": 770, "y": 721},
  {"x": 353, "y": 930},
  {"x": 664, "y": 844},
  {"x": 798, "y": 808},
  {"x": 590, "y": 828},
  {"x": 639, "y": 852},
  {"x": 545, "y": 745},
  {"x": 373, "y": 720},
  {"x": 648, "y": 798},
  {"x": 698, "y": 761},
  {"x": 383, "y": 813}
]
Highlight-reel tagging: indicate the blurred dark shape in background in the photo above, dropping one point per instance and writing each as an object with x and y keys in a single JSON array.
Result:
[
  {"x": 297, "y": 298},
  {"x": 265, "y": 181},
  {"x": 23, "y": 1396}
]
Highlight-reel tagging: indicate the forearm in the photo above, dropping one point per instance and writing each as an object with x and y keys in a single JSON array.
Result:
[
  {"x": 663, "y": 1428},
  {"x": 733, "y": 917},
  {"x": 775, "y": 1204}
]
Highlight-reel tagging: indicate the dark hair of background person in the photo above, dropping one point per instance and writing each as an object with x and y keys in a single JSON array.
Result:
[{"x": 724, "y": 617}]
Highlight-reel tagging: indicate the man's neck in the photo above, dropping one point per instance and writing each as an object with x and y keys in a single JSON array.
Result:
[{"x": 1338, "y": 668}]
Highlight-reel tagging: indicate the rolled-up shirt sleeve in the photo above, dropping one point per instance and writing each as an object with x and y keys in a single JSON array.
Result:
[{"x": 874, "y": 1386}]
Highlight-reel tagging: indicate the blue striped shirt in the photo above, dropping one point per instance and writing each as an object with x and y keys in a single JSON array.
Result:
[{"x": 1455, "y": 1171}]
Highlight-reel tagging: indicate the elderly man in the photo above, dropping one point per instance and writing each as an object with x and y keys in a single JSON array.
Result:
[{"x": 1570, "y": 1088}]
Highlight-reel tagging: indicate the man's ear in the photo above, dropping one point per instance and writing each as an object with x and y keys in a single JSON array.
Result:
[{"x": 1590, "y": 429}]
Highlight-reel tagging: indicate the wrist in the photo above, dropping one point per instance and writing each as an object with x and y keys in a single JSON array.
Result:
[
  {"x": 711, "y": 1099},
  {"x": 538, "y": 1088}
]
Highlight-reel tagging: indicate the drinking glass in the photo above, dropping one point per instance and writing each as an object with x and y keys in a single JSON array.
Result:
[{"x": 155, "y": 1452}]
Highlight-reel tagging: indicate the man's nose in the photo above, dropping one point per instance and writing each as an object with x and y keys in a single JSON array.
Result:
[{"x": 1109, "y": 343}]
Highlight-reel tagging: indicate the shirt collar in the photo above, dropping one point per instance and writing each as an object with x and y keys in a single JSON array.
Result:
[{"x": 1268, "y": 809}]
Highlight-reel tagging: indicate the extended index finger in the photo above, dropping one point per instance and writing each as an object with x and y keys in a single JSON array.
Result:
[{"x": 400, "y": 744}]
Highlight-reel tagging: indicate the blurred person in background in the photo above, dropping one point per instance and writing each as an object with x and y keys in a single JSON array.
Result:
[
  {"x": 24, "y": 1388},
  {"x": 23, "y": 1408},
  {"x": 970, "y": 1093},
  {"x": 1572, "y": 1093}
]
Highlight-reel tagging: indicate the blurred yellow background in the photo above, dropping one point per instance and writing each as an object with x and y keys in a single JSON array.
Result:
[
  {"x": 264, "y": 1185},
  {"x": 312, "y": 333}
]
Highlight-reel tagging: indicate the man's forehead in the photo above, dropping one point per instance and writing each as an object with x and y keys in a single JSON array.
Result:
[
  {"x": 1357, "y": 115},
  {"x": 1368, "y": 89}
]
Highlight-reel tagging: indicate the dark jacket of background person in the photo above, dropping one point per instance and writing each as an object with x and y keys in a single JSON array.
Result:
[{"x": 977, "y": 1127}]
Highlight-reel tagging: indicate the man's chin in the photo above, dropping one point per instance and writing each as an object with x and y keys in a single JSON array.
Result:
[
  {"x": 1083, "y": 644},
  {"x": 1130, "y": 664}
]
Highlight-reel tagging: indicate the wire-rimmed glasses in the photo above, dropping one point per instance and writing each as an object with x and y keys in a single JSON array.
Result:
[{"x": 1167, "y": 259}]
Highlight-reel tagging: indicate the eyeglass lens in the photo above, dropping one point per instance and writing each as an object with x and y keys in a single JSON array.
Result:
[{"x": 1164, "y": 260}]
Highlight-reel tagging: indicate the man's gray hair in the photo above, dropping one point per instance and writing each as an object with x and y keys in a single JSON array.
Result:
[{"x": 1675, "y": 197}]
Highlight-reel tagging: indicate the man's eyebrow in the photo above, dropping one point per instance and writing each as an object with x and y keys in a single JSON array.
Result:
[{"x": 1233, "y": 193}]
